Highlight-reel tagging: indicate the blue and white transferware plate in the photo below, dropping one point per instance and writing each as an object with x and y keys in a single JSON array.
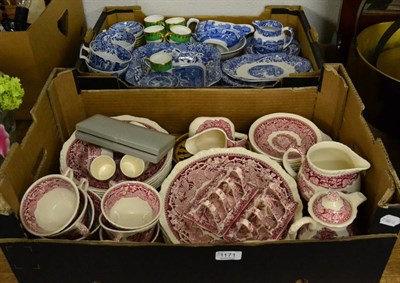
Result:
[
  {"x": 159, "y": 79},
  {"x": 265, "y": 67},
  {"x": 195, "y": 64},
  {"x": 292, "y": 49}
]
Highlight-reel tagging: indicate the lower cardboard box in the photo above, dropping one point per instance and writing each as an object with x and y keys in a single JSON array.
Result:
[{"x": 333, "y": 106}]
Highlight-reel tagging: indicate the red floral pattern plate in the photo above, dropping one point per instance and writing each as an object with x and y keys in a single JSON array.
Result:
[{"x": 181, "y": 189}]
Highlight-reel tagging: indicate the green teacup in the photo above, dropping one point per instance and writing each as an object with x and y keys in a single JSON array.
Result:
[
  {"x": 174, "y": 21},
  {"x": 154, "y": 20},
  {"x": 179, "y": 34},
  {"x": 154, "y": 34},
  {"x": 159, "y": 62}
]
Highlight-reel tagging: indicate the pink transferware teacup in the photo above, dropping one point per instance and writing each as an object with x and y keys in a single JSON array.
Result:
[
  {"x": 213, "y": 132},
  {"x": 50, "y": 204},
  {"x": 131, "y": 205}
]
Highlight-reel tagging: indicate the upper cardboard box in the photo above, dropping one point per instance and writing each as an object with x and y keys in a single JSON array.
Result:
[
  {"x": 292, "y": 16},
  {"x": 334, "y": 107},
  {"x": 53, "y": 40}
]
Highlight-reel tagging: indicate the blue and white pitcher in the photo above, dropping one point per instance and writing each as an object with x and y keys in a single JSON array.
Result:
[{"x": 271, "y": 36}]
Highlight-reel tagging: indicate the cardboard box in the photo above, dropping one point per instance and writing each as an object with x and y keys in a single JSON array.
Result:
[
  {"x": 293, "y": 16},
  {"x": 334, "y": 106},
  {"x": 53, "y": 40}
]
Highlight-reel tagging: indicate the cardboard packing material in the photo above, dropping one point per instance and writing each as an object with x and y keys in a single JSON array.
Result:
[
  {"x": 53, "y": 40},
  {"x": 334, "y": 107},
  {"x": 293, "y": 16}
]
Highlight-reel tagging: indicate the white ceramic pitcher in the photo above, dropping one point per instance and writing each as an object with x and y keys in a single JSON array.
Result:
[
  {"x": 331, "y": 216},
  {"x": 327, "y": 165}
]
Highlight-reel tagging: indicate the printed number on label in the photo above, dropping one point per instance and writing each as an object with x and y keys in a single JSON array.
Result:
[{"x": 228, "y": 255}]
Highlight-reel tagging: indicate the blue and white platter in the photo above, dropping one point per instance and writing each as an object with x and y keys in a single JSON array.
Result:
[
  {"x": 292, "y": 49},
  {"x": 264, "y": 67},
  {"x": 159, "y": 79},
  {"x": 195, "y": 64}
]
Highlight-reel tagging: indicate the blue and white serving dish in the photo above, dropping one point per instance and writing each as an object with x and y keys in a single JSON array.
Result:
[
  {"x": 159, "y": 79},
  {"x": 265, "y": 67},
  {"x": 195, "y": 64},
  {"x": 292, "y": 49}
]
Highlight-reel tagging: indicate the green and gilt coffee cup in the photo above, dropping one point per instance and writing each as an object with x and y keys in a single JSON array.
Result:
[
  {"x": 174, "y": 22},
  {"x": 178, "y": 34},
  {"x": 154, "y": 20},
  {"x": 159, "y": 62},
  {"x": 154, "y": 34}
]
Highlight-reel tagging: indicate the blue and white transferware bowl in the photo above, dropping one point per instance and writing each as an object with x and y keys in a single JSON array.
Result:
[
  {"x": 105, "y": 57},
  {"x": 229, "y": 36},
  {"x": 195, "y": 64},
  {"x": 265, "y": 67}
]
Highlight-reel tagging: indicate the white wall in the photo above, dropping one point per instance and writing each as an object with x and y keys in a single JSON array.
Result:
[{"x": 322, "y": 14}]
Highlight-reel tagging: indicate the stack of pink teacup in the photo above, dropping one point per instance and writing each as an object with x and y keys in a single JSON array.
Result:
[{"x": 55, "y": 207}]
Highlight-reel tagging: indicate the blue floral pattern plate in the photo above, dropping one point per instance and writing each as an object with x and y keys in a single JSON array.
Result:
[
  {"x": 159, "y": 79},
  {"x": 195, "y": 64},
  {"x": 292, "y": 49},
  {"x": 265, "y": 67}
]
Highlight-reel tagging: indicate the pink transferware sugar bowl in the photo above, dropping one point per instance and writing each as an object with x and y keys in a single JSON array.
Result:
[{"x": 331, "y": 216}]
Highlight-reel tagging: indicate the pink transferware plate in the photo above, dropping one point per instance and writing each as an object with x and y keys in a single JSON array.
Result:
[
  {"x": 74, "y": 154},
  {"x": 274, "y": 134},
  {"x": 228, "y": 195}
]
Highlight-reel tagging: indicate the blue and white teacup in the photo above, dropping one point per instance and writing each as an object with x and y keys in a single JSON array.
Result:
[
  {"x": 119, "y": 37},
  {"x": 106, "y": 57},
  {"x": 270, "y": 36}
]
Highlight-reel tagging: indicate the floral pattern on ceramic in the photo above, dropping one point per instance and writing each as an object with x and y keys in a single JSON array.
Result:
[
  {"x": 203, "y": 26},
  {"x": 265, "y": 67},
  {"x": 119, "y": 37},
  {"x": 131, "y": 205},
  {"x": 105, "y": 56},
  {"x": 213, "y": 132},
  {"x": 276, "y": 196},
  {"x": 292, "y": 49},
  {"x": 191, "y": 60},
  {"x": 327, "y": 165},
  {"x": 270, "y": 36},
  {"x": 132, "y": 27},
  {"x": 332, "y": 215},
  {"x": 273, "y": 134}
]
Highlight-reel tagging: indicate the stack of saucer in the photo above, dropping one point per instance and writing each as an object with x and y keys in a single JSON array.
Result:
[{"x": 133, "y": 27}]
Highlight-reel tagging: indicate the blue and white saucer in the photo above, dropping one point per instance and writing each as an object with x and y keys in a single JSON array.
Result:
[
  {"x": 265, "y": 67},
  {"x": 292, "y": 49},
  {"x": 159, "y": 79}
]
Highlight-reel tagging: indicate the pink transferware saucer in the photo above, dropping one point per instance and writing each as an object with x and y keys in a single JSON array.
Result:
[
  {"x": 74, "y": 154},
  {"x": 200, "y": 205}
]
